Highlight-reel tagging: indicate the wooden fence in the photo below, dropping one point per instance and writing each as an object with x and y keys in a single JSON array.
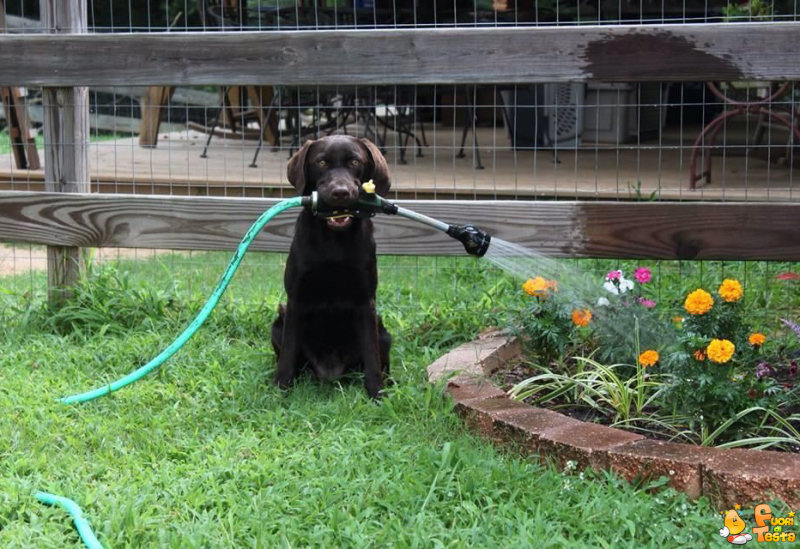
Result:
[
  {"x": 656, "y": 230},
  {"x": 724, "y": 51},
  {"x": 65, "y": 62}
]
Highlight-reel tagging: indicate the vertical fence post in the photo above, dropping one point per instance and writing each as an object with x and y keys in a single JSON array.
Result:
[{"x": 66, "y": 146}]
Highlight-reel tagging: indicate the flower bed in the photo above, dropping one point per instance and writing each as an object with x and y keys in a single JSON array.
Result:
[
  {"x": 614, "y": 354},
  {"x": 727, "y": 477}
]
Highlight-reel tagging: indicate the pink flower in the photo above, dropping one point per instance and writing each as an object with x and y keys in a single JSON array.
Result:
[
  {"x": 614, "y": 275},
  {"x": 788, "y": 276},
  {"x": 643, "y": 275},
  {"x": 647, "y": 303}
]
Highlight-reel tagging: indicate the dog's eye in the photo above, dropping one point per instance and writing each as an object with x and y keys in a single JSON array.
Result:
[
  {"x": 355, "y": 163},
  {"x": 321, "y": 163}
]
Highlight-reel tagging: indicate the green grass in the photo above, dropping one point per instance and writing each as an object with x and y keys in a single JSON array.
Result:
[
  {"x": 207, "y": 453},
  {"x": 5, "y": 140}
]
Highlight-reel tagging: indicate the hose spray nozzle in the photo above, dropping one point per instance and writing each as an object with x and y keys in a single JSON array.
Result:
[{"x": 475, "y": 241}]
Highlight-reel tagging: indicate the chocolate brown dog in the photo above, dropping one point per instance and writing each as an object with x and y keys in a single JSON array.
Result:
[{"x": 329, "y": 323}]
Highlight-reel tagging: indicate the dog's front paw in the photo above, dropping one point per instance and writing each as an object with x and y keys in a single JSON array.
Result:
[
  {"x": 375, "y": 390},
  {"x": 284, "y": 382}
]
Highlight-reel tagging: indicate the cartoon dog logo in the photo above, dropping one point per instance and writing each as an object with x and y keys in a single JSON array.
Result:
[{"x": 734, "y": 528}]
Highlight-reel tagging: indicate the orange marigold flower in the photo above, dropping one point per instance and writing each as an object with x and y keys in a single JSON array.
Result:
[
  {"x": 648, "y": 358},
  {"x": 539, "y": 287},
  {"x": 699, "y": 302},
  {"x": 720, "y": 350},
  {"x": 757, "y": 339},
  {"x": 730, "y": 290},
  {"x": 581, "y": 318},
  {"x": 699, "y": 355}
]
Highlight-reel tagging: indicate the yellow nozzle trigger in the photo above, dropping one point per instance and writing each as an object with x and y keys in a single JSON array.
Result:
[{"x": 369, "y": 187}]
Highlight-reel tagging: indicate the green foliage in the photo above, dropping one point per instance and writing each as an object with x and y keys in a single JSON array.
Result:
[
  {"x": 709, "y": 389},
  {"x": 106, "y": 302},
  {"x": 608, "y": 390},
  {"x": 753, "y": 10},
  {"x": 773, "y": 430},
  {"x": 625, "y": 319},
  {"x": 635, "y": 192},
  {"x": 546, "y": 329}
]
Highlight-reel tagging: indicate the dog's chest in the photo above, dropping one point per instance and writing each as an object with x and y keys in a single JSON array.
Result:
[{"x": 329, "y": 284}]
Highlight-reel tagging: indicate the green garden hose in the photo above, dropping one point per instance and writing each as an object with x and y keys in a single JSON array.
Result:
[
  {"x": 201, "y": 317},
  {"x": 81, "y": 524}
]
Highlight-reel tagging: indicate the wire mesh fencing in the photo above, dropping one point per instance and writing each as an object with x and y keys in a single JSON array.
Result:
[
  {"x": 654, "y": 140},
  {"x": 262, "y": 15}
]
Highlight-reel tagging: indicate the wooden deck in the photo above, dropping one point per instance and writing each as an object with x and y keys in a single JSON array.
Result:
[{"x": 593, "y": 171}]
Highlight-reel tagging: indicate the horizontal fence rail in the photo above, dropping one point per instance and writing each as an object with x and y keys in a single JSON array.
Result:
[
  {"x": 725, "y": 51},
  {"x": 652, "y": 230}
]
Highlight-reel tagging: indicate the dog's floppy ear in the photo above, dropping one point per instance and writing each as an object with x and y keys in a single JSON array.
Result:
[
  {"x": 296, "y": 170},
  {"x": 380, "y": 168}
]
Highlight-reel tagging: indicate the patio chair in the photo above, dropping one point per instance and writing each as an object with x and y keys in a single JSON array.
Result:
[{"x": 742, "y": 99}]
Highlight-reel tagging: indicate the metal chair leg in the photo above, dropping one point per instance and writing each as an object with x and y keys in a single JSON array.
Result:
[
  {"x": 471, "y": 121},
  {"x": 272, "y": 104},
  {"x": 222, "y": 106}
]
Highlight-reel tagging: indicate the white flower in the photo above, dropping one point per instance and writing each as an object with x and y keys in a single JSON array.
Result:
[
  {"x": 616, "y": 283},
  {"x": 603, "y": 302},
  {"x": 611, "y": 287},
  {"x": 625, "y": 285}
]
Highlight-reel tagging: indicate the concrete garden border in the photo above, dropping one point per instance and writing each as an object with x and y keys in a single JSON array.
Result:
[{"x": 727, "y": 477}]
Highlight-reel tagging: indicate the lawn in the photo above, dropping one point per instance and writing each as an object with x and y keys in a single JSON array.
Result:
[
  {"x": 5, "y": 140},
  {"x": 207, "y": 453}
]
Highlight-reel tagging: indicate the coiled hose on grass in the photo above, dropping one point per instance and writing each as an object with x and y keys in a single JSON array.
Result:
[
  {"x": 201, "y": 317},
  {"x": 81, "y": 524}
]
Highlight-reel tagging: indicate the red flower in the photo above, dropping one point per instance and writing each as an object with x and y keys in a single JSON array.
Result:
[{"x": 788, "y": 276}]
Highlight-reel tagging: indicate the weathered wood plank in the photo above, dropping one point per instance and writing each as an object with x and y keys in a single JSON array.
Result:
[
  {"x": 732, "y": 51},
  {"x": 655, "y": 230},
  {"x": 153, "y": 103},
  {"x": 20, "y": 130},
  {"x": 66, "y": 146}
]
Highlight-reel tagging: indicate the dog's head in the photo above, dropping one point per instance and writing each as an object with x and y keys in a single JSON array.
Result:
[{"x": 335, "y": 166}]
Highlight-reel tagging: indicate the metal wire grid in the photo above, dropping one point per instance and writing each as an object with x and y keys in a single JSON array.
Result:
[
  {"x": 619, "y": 141},
  {"x": 23, "y": 280},
  {"x": 210, "y": 15}
]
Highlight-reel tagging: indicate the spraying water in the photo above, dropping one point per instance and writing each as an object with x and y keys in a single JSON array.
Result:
[
  {"x": 523, "y": 263},
  {"x": 577, "y": 289}
]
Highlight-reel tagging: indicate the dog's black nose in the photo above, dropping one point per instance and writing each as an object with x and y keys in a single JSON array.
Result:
[{"x": 340, "y": 194}]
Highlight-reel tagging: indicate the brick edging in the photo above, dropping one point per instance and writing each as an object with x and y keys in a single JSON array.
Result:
[{"x": 727, "y": 477}]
